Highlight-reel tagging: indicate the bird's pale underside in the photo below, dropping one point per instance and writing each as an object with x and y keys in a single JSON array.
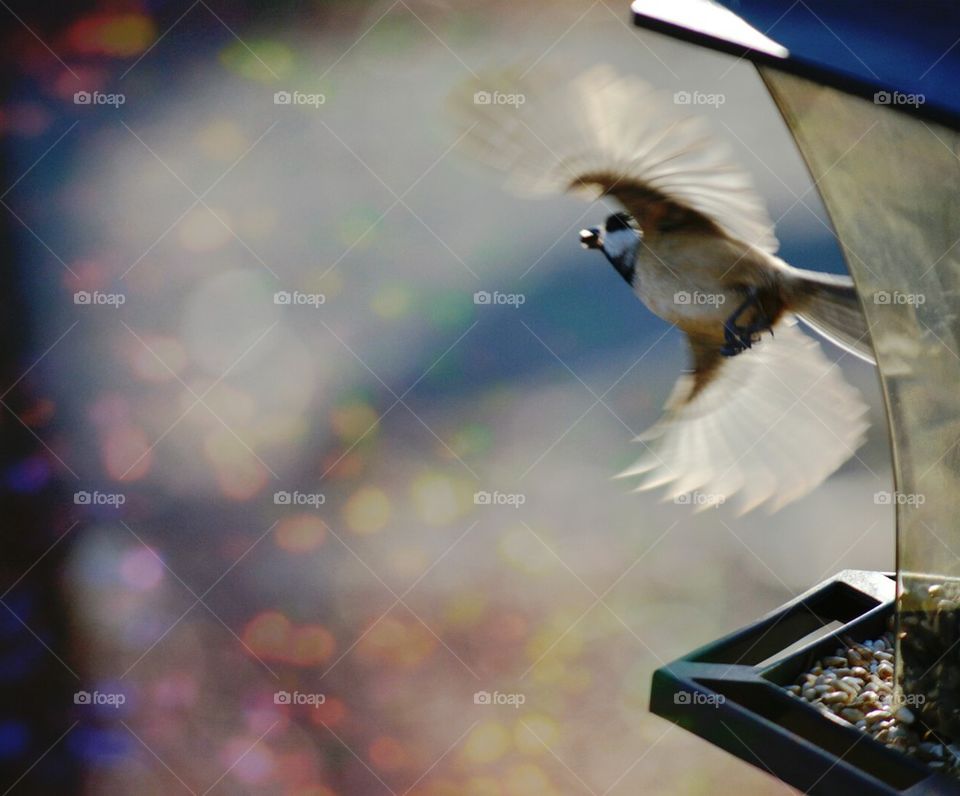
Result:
[{"x": 763, "y": 420}]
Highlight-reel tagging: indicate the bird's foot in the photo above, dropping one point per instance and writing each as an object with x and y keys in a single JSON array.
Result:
[{"x": 737, "y": 339}]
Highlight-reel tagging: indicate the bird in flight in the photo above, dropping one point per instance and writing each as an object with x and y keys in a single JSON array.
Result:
[{"x": 762, "y": 414}]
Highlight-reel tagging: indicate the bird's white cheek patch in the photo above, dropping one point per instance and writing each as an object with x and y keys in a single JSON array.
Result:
[{"x": 618, "y": 243}]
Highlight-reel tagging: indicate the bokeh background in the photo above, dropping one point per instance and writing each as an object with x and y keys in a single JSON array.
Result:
[{"x": 187, "y": 593}]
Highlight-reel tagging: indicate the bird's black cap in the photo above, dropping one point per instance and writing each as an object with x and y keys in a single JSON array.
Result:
[{"x": 619, "y": 221}]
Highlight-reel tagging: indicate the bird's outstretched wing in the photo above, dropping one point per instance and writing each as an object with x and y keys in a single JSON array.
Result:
[
  {"x": 768, "y": 425},
  {"x": 607, "y": 134}
]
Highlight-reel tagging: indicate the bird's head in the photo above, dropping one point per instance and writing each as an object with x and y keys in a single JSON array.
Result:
[{"x": 619, "y": 240}]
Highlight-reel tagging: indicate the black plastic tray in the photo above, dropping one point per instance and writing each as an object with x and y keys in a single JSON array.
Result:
[{"x": 731, "y": 694}]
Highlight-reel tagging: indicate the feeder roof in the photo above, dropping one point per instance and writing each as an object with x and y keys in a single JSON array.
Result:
[{"x": 885, "y": 45}]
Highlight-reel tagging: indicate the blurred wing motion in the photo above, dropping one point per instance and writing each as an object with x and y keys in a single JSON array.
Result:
[
  {"x": 770, "y": 424},
  {"x": 606, "y": 134}
]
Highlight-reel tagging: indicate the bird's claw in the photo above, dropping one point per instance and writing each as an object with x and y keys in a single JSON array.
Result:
[{"x": 737, "y": 340}]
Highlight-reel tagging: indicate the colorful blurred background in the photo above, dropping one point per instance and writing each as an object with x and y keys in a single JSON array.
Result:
[{"x": 251, "y": 414}]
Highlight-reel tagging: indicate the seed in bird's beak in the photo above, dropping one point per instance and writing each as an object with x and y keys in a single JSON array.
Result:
[{"x": 590, "y": 238}]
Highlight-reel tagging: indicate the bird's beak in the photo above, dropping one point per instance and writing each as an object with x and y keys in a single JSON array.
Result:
[{"x": 590, "y": 238}]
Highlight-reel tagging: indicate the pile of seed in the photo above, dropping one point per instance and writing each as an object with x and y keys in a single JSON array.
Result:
[
  {"x": 930, "y": 645},
  {"x": 857, "y": 684}
]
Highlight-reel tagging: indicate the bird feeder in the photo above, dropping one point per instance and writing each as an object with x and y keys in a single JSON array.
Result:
[{"x": 870, "y": 97}]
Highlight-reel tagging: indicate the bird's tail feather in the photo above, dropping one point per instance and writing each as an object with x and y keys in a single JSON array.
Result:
[{"x": 828, "y": 304}]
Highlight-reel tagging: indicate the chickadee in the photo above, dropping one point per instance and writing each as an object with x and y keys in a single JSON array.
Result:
[{"x": 767, "y": 420}]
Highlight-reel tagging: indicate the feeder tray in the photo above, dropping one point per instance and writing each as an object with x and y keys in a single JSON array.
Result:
[{"x": 732, "y": 694}]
